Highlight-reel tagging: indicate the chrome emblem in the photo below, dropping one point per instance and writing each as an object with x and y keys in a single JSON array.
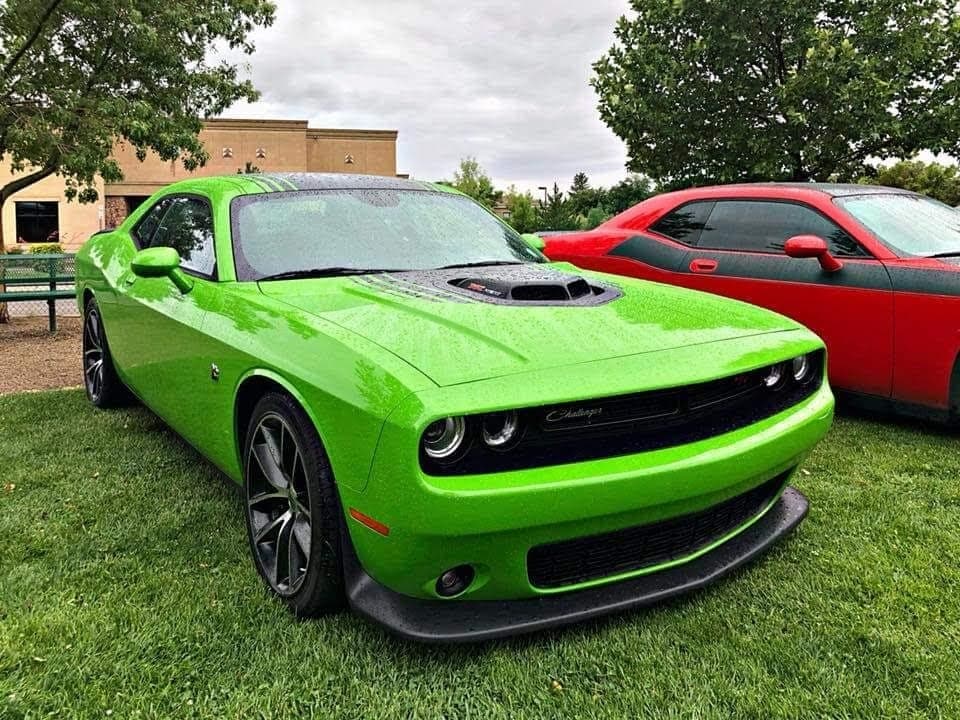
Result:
[{"x": 555, "y": 416}]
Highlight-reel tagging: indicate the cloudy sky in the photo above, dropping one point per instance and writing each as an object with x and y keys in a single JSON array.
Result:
[{"x": 504, "y": 81}]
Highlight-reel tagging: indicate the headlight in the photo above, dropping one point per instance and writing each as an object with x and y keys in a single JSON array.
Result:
[
  {"x": 500, "y": 430},
  {"x": 802, "y": 369},
  {"x": 774, "y": 378},
  {"x": 443, "y": 438}
]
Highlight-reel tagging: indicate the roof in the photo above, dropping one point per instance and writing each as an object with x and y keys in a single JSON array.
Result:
[
  {"x": 832, "y": 189},
  {"x": 289, "y": 182}
]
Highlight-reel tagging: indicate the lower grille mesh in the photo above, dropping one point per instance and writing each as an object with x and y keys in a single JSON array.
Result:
[{"x": 575, "y": 561}]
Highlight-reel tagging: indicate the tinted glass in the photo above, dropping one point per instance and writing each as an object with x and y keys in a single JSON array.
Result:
[
  {"x": 759, "y": 226},
  {"x": 685, "y": 223},
  {"x": 144, "y": 230},
  {"x": 187, "y": 227},
  {"x": 367, "y": 229},
  {"x": 909, "y": 224},
  {"x": 37, "y": 222}
]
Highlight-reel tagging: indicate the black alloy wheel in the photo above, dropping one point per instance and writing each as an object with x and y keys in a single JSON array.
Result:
[
  {"x": 293, "y": 522},
  {"x": 103, "y": 386}
]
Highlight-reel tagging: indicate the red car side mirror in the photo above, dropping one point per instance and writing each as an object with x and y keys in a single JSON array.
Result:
[{"x": 811, "y": 246}]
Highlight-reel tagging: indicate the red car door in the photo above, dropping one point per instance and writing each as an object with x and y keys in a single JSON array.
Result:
[{"x": 736, "y": 250}]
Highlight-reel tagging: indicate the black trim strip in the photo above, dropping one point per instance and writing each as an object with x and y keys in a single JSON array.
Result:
[
  {"x": 926, "y": 282},
  {"x": 863, "y": 274}
]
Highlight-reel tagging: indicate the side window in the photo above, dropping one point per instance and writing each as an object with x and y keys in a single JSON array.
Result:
[
  {"x": 187, "y": 227},
  {"x": 143, "y": 232},
  {"x": 759, "y": 226},
  {"x": 685, "y": 223}
]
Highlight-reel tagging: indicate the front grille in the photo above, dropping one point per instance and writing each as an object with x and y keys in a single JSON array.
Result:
[
  {"x": 628, "y": 424},
  {"x": 575, "y": 561}
]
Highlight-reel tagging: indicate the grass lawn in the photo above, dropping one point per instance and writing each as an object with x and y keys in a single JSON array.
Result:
[{"x": 126, "y": 590}]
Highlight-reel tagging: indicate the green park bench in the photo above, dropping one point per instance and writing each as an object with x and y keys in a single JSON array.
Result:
[{"x": 29, "y": 277}]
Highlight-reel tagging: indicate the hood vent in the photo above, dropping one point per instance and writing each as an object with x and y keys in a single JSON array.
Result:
[
  {"x": 553, "y": 290},
  {"x": 526, "y": 284}
]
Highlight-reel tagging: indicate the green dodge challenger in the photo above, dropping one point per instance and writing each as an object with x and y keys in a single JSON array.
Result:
[{"x": 435, "y": 425}]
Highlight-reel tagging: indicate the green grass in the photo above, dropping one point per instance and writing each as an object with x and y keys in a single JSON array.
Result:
[{"x": 126, "y": 590}]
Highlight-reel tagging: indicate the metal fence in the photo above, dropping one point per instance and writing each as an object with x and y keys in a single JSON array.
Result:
[{"x": 35, "y": 285}]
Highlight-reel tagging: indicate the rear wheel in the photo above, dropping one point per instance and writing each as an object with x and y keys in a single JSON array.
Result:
[
  {"x": 293, "y": 512},
  {"x": 104, "y": 388}
]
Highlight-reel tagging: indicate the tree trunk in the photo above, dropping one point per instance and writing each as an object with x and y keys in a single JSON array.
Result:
[{"x": 4, "y": 312}]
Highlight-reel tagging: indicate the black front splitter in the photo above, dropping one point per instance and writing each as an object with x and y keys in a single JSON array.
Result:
[{"x": 438, "y": 621}]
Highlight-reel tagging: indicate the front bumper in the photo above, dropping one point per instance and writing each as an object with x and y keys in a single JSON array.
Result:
[
  {"x": 492, "y": 522},
  {"x": 475, "y": 620}
]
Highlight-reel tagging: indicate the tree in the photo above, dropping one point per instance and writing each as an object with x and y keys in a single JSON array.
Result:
[
  {"x": 628, "y": 192},
  {"x": 523, "y": 212},
  {"x": 582, "y": 197},
  {"x": 595, "y": 217},
  {"x": 77, "y": 75},
  {"x": 472, "y": 180},
  {"x": 941, "y": 182},
  {"x": 716, "y": 91},
  {"x": 555, "y": 214},
  {"x": 580, "y": 183}
]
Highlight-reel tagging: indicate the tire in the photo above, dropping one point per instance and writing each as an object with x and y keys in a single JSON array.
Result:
[
  {"x": 104, "y": 388},
  {"x": 292, "y": 510}
]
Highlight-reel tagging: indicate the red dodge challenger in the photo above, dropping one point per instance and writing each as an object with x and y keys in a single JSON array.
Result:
[{"x": 874, "y": 271}]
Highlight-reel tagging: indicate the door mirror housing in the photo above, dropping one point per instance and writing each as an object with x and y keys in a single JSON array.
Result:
[
  {"x": 534, "y": 241},
  {"x": 161, "y": 262},
  {"x": 811, "y": 246}
]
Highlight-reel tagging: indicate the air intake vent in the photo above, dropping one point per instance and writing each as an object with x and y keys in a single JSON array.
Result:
[
  {"x": 528, "y": 290},
  {"x": 539, "y": 293},
  {"x": 579, "y": 288},
  {"x": 529, "y": 284}
]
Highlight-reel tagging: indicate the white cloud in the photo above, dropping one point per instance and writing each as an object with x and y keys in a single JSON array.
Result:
[{"x": 504, "y": 81}]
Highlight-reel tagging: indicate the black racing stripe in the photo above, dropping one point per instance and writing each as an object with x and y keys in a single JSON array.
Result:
[
  {"x": 929, "y": 282},
  {"x": 651, "y": 252},
  {"x": 866, "y": 274},
  {"x": 282, "y": 183},
  {"x": 260, "y": 183}
]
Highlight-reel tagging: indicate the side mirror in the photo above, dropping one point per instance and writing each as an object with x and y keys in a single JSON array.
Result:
[
  {"x": 161, "y": 262},
  {"x": 811, "y": 246},
  {"x": 534, "y": 241}
]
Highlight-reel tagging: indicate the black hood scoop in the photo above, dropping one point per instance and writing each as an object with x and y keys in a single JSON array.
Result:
[{"x": 528, "y": 284}]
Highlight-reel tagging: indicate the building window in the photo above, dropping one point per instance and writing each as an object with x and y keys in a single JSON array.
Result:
[{"x": 37, "y": 222}]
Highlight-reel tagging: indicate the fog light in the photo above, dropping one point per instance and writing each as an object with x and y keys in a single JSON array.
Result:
[
  {"x": 500, "y": 430},
  {"x": 773, "y": 380},
  {"x": 454, "y": 581},
  {"x": 802, "y": 369},
  {"x": 444, "y": 437}
]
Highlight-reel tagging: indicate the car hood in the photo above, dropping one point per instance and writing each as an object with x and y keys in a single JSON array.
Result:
[{"x": 467, "y": 325}]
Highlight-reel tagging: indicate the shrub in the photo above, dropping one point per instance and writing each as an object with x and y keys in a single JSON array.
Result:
[{"x": 46, "y": 249}]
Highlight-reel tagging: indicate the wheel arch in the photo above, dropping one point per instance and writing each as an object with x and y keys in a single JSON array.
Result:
[
  {"x": 953, "y": 406},
  {"x": 253, "y": 386}
]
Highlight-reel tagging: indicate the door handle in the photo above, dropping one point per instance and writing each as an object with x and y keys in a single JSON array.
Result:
[{"x": 703, "y": 265}]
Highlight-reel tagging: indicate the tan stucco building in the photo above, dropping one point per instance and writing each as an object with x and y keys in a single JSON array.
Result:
[{"x": 37, "y": 212}]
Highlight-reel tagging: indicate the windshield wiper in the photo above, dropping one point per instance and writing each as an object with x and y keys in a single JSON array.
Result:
[
  {"x": 953, "y": 253},
  {"x": 325, "y": 272},
  {"x": 482, "y": 263}
]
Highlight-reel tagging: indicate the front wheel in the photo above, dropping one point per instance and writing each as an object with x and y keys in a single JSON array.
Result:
[
  {"x": 104, "y": 388},
  {"x": 293, "y": 512}
]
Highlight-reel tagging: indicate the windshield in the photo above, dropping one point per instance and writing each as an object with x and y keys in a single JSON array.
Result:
[
  {"x": 911, "y": 225},
  {"x": 302, "y": 232}
]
